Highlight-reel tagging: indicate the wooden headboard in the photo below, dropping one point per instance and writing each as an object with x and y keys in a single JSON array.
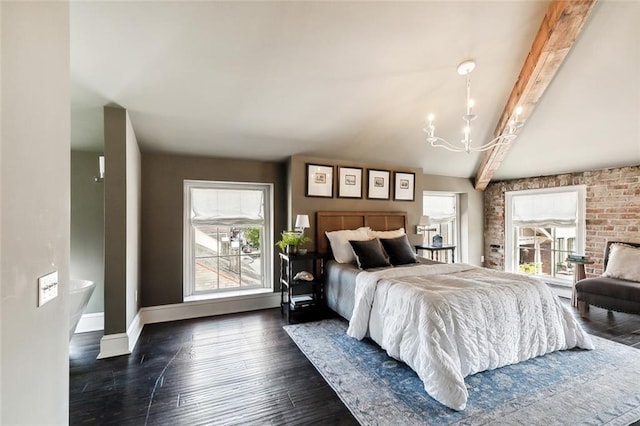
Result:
[{"x": 334, "y": 221}]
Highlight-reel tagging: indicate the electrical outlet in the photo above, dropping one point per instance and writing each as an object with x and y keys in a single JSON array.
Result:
[
  {"x": 481, "y": 259},
  {"x": 47, "y": 288}
]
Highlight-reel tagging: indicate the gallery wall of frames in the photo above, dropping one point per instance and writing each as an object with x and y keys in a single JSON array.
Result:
[
  {"x": 327, "y": 181},
  {"x": 329, "y": 184}
]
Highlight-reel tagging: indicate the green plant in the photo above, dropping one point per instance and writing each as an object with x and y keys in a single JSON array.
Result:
[
  {"x": 253, "y": 237},
  {"x": 292, "y": 239},
  {"x": 531, "y": 268}
]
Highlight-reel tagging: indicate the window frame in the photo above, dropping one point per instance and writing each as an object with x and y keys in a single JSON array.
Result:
[
  {"x": 456, "y": 227},
  {"x": 188, "y": 239},
  {"x": 510, "y": 245}
]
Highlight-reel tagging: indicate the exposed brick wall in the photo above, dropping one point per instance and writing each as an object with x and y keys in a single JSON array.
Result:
[{"x": 612, "y": 210}]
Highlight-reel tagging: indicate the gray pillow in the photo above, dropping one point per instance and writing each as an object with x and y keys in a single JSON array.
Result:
[
  {"x": 369, "y": 254},
  {"x": 399, "y": 250}
]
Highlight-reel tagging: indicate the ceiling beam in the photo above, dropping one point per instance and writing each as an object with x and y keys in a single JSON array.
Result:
[{"x": 560, "y": 27}]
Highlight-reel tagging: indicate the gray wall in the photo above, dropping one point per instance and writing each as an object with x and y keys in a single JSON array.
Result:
[
  {"x": 87, "y": 225},
  {"x": 122, "y": 227},
  {"x": 35, "y": 198},
  {"x": 471, "y": 226},
  {"x": 162, "y": 215},
  {"x": 301, "y": 204}
]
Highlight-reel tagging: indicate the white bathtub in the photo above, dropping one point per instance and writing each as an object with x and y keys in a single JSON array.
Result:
[{"x": 80, "y": 292}]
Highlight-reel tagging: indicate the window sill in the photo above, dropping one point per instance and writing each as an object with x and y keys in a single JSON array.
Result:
[
  {"x": 559, "y": 282},
  {"x": 228, "y": 294}
]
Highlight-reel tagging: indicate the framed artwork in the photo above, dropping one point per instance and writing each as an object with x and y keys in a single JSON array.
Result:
[
  {"x": 319, "y": 181},
  {"x": 378, "y": 184},
  {"x": 349, "y": 182},
  {"x": 404, "y": 186}
]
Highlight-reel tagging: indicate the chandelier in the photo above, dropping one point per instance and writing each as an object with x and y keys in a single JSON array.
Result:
[{"x": 464, "y": 145}]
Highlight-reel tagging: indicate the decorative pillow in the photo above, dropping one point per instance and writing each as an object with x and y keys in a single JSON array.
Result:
[
  {"x": 369, "y": 254},
  {"x": 399, "y": 250},
  {"x": 386, "y": 234},
  {"x": 339, "y": 241},
  {"x": 624, "y": 263}
]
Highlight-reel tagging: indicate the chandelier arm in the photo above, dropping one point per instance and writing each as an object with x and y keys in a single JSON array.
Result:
[
  {"x": 437, "y": 142},
  {"x": 464, "y": 69},
  {"x": 499, "y": 141}
]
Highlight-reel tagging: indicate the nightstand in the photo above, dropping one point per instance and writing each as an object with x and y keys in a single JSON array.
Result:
[
  {"x": 437, "y": 249},
  {"x": 298, "y": 296}
]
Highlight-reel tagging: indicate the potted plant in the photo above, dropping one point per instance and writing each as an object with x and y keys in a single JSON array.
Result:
[
  {"x": 290, "y": 241},
  {"x": 252, "y": 236}
]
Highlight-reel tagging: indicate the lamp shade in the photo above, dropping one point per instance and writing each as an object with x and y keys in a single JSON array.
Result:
[
  {"x": 302, "y": 221},
  {"x": 424, "y": 221}
]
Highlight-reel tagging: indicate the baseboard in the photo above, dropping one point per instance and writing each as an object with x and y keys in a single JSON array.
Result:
[
  {"x": 207, "y": 308},
  {"x": 134, "y": 330},
  {"x": 124, "y": 343},
  {"x": 91, "y": 322},
  {"x": 114, "y": 345}
]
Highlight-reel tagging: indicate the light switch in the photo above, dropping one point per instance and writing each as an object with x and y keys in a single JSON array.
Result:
[{"x": 47, "y": 288}]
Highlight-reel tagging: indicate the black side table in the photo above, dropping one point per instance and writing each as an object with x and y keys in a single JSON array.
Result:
[
  {"x": 298, "y": 295},
  {"x": 437, "y": 249}
]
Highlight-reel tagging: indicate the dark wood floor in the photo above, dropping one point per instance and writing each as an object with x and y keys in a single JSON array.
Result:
[{"x": 232, "y": 369}]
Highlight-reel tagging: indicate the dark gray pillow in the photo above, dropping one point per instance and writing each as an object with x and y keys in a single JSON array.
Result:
[
  {"x": 399, "y": 250},
  {"x": 369, "y": 254}
]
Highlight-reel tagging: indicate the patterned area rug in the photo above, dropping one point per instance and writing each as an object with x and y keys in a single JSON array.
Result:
[{"x": 567, "y": 387}]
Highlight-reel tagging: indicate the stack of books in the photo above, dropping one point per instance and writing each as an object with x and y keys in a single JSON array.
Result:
[
  {"x": 301, "y": 301},
  {"x": 577, "y": 258}
]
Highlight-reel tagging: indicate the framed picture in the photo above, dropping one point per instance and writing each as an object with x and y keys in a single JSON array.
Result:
[
  {"x": 378, "y": 184},
  {"x": 404, "y": 186},
  {"x": 319, "y": 181},
  {"x": 349, "y": 182}
]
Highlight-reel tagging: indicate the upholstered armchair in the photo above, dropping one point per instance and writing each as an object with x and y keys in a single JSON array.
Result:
[{"x": 618, "y": 289}]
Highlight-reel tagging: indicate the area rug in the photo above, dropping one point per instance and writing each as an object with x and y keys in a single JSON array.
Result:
[{"x": 562, "y": 388}]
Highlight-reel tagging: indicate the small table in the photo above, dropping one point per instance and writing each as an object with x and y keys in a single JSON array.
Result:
[
  {"x": 300, "y": 295},
  {"x": 578, "y": 274},
  {"x": 437, "y": 249}
]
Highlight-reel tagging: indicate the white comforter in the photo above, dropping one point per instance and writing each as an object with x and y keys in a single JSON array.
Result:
[{"x": 452, "y": 320}]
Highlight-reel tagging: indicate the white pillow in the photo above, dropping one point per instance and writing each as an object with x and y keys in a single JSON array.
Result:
[
  {"x": 387, "y": 234},
  {"x": 339, "y": 240},
  {"x": 624, "y": 263}
]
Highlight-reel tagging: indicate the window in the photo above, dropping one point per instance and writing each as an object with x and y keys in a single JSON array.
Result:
[
  {"x": 227, "y": 237},
  {"x": 442, "y": 209},
  {"x": 542, "y": 227}
]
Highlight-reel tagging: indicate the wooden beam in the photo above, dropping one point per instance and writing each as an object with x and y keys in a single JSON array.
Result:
[{"x": 560, "y": 27}]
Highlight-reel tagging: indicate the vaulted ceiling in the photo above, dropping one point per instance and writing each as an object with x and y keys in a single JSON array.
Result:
[{"x": 353, "y": 80}]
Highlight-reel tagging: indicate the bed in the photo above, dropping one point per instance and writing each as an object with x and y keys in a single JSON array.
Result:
[{"x": 446, "y": 321}]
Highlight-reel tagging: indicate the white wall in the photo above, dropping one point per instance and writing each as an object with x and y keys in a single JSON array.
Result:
[
  {"x": 35, "y": 198},
  {"x": 134, "y": 195},
  {"x": 1, "y": 138}
]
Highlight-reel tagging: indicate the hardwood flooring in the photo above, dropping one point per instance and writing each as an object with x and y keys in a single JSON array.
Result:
[
  {"x": 232, "y": 369},
  {"x": 227, "y": 370},
  {"x": 617, "y": 326}
]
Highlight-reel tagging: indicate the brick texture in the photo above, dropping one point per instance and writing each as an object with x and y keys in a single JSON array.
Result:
[{"x": 612, "y": 210}]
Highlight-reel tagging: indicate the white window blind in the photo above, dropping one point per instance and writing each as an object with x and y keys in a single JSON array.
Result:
[
  {"x": 226, "y": 206},
  {"x": 440, "y": 209},
  {"x": 545, "y": 210}
]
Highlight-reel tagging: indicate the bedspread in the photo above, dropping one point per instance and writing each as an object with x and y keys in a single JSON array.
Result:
[{"x": 452, "y": 320}]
